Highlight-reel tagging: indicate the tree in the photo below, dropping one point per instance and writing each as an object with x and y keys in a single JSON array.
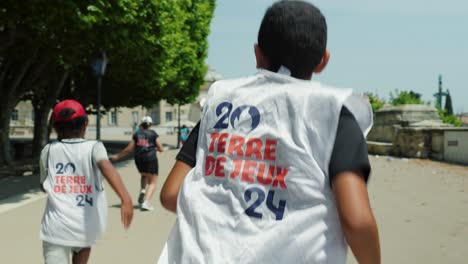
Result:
[
  {"x": 156, "y": 50},
  {"x": 375, "y": 101},
  {"x": 191, "y": 57},
  {"x": 448, "y": 104},
  {"x": 449, "y": 119},
  {"x": 446, "y": 114},
  {"x": 40, "y": 46},
  {"x": 405, "y": 97}
]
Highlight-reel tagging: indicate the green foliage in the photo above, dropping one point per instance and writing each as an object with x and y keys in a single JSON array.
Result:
[
  {"x": 449, "y": 118},
  {"x": 156, "y": 48},
  {"x": 405, "y": 97},
  {"x": 448, "y": 104},
  {"x": 375, "y": 101}
]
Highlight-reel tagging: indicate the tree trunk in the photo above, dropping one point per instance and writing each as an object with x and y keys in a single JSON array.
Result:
[
  {"x": 11, "y": 92},
  {"x": 5, "y": 151},
  {"x": 42, "y": 107},
  {"x": 41, "y": 133}
]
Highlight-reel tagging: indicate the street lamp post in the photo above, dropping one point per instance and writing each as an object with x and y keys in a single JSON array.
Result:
[
  {"x": 178, "y": 125},
  {"x": 98, "y": 65}
]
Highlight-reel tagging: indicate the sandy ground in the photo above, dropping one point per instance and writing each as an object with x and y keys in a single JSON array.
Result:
[{"x": 421, "y": 208}]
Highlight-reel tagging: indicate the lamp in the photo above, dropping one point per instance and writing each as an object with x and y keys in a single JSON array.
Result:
[{"x": 98, "y": 67}]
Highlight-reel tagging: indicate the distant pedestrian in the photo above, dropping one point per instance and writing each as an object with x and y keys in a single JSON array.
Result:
[
  {"x": 136, "y": 127},
  {"x": 184, "y": 133},
  {"x": 71, "y": 170},
  {"x": 145, "y": 142}
]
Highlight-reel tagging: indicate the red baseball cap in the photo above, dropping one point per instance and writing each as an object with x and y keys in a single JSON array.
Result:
[{"x": 75, "y": 107}]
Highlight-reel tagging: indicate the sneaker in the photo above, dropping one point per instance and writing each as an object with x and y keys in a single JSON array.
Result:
[
  {"x": 141, "y": 197},
  {"x": 146, "y": 206}
]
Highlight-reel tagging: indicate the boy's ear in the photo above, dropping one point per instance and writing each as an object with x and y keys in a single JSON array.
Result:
[
  {"x": 323, "y": 62},
  {"x": 262, "y": 61}
]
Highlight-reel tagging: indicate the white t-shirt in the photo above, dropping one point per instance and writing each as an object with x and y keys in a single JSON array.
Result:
[
  {"x": 259, "y": 192},
  {"x": 76, "y": 210}
]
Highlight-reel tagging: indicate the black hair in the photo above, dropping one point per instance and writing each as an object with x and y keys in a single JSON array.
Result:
[
  {"x": 145, "y": 125},
  {"x": 70, "y": 126},
  {"x": 293, "y": 34}
]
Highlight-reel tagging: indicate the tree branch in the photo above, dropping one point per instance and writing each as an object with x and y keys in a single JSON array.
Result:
[
  {"x": 8, "y": 40},
  {"x": 3, "y": 74},
  {"x": 52, "y": 95},
  {"x": 22, "y": 72},
  {"x": 33, "y": 77}
]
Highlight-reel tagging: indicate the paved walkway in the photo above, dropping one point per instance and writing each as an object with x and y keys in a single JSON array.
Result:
[
  {"x": 421, "y": 208},
  {"x": 20, "y": 217}
]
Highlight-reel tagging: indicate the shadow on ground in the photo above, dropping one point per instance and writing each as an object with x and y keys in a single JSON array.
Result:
[
  {"x": 15, "y": 185},
  {"x": 118, "y": 206},
  {"x": 15, "y": 189}
]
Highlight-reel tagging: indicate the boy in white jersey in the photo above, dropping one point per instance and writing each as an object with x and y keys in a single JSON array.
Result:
[
  {"x": 71, "y": 174},
  {"x": 281, "y": 164}
]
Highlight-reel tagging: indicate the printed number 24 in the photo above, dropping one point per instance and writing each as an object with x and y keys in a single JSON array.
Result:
[
  {"x": 83, "y": 200},
  {"x": 277, "y": 210}
]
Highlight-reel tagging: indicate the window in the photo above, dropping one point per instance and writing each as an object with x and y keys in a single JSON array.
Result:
[
  {"x": 135, "y": 118},
  {"x": 14, "y": 115},
  {"x": 168, "y": 116},
  {"x": 112, "y": 118},
  {"x": 155, "y": 117}
]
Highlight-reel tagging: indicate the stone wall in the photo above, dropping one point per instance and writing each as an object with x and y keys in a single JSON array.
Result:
[
  {"x": 426, "y": 142},
  {"x": 415, "y": 131},
  {"x": 391, "y": 118},
  {"x": 412, "y": 142}
]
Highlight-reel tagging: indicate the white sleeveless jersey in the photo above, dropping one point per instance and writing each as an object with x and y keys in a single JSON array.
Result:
[
  {"x": 76, "y": 210},
  {"x": 260, "y": 190}
]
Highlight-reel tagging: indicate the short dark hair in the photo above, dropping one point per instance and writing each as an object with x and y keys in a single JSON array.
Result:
[
  {"x": 145, "y": 125},
  {"x": 293, "y": 34},
  {"x": 69, "y": 126}
]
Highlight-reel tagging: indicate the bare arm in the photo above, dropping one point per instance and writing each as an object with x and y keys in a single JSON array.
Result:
[
  {"x": 115, "y": 181},
  {"x": 356, "y": 217},
  {"x": 171, "y": 187},
  {"x": 129, "y": 148},
  {"x": 159, "y": 146}
]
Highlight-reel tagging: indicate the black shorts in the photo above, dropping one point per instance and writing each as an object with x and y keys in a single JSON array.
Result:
[{"x": 147, "y": 166}]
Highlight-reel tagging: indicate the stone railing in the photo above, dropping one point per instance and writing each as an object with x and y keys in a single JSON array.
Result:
[{"x": 415, "y": 131}]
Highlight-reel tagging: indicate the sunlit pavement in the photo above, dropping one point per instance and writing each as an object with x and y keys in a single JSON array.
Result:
[{"x": 421, "y": 208}]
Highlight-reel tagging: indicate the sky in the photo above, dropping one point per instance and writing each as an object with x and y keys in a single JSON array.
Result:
[{"x": 376, "y": 45}]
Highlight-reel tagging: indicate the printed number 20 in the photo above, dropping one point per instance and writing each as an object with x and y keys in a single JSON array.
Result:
[
  {"x": 226, "y": 115},
  {"x": 63, "y": 168},
  {"x": 277, "y": 210}
]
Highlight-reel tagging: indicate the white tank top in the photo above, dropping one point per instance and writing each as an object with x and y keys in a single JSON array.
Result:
[
  {"x": 76, "y": 210},
  {"x": 260, "y": 190}
]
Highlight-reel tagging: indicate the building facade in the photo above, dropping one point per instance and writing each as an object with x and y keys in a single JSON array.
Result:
[{"x": 122, "y": 121}]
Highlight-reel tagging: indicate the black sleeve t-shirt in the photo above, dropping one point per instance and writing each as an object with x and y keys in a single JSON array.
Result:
[
  {"x": 349, "y": 151},
  {"x": 145, "y": 145}
]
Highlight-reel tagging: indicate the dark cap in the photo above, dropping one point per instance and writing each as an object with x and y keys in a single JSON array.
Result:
[{"x": 73, "y": 110}]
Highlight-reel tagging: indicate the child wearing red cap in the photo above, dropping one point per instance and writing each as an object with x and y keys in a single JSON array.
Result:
[{"x": 72, "y": 171}]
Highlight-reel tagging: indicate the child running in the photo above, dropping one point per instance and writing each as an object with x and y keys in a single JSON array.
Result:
[
  {"x": 281, "y": 165},
  {"x": 71, "y": 170},
  {"x": 146, "y": 143}
]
